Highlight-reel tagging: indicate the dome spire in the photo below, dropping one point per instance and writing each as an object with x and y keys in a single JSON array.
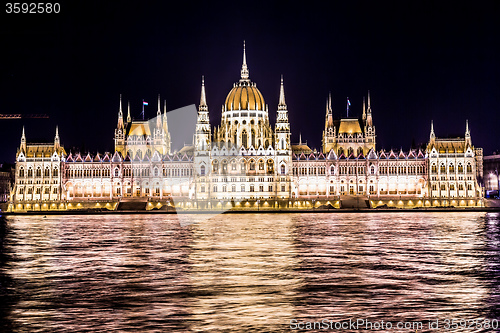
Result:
[{"x": 244, "y": 67}]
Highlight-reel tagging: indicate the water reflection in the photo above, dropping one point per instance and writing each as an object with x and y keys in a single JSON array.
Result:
[
  {"x": 98, "y": 273},
  {"x": 245, "y": 272},
  {"x": 409, "y": 267}
]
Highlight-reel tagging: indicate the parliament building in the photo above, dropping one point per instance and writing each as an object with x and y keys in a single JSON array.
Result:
[{"x": 246, "y": 163}]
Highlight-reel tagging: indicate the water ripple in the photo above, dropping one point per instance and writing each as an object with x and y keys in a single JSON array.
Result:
[{"x": 248, "y": 272}]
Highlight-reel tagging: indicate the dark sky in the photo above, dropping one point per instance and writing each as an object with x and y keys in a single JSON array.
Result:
[{"x": 421, "y": 61}]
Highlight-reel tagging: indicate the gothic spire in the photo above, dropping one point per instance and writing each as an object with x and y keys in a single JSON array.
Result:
[
  {"x": 203, "y": 98},
  {"x": 330, "y": 110},
  {"x": 23, "y": 141},
  {"x": 129, "y": 119},
  {"x": 433, "y": 136},
  {"x": 282, "y": 94},
  {"x": 120, "y": 114},
  {"x": 468, "y": 141},
  {"x": 158, "y": 114},
  {"x": 57, "y": 141},
  {"x": 244, "y": 67}
]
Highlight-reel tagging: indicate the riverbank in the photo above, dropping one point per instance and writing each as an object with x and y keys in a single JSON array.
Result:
[{"x": 261, "y": 211}]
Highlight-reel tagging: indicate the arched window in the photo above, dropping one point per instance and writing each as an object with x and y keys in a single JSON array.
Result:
[
  {"x": 282, "y": 144},
  {"x": 224, "y": 166},
  {"x": 469, "y": 167},
  {"x": 215, "y": 166},
  {"x": 253, "y": 138},
  {"x": 350, "y": 151},
  {"x": 55, "y": 172},
  {"x": 252, "y": 165},
  {"x": 283, "y": 169},
  {"x": 38, "y": 172},
  {"x": 442, "y": 168},
  {"x": 138, "y": 153},
  {"x": 460, "y": 168},
  {"x": 332, "y": 170},
  {"x": 372, "y": 170},
  {"x": 434, "y": 168},
  {"x": 360, "y": 151},
  {"x": 270, "y": 166},
  {"x": 261, "y": 165},
  {"x": 155, "y": 172},
  {"x": 451, "y": 168},
  {"x": 21, "y": 172},
  {"x": 244, "y": 139},
  {"x": 46, "y": 172},
  {"x": 117, "y": 172},
  {"x": 202, "y": 172},
  {"x": 341, "y": 151}
]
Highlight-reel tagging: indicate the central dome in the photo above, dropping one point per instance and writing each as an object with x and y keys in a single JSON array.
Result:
[{"x": 244, "y": 96}]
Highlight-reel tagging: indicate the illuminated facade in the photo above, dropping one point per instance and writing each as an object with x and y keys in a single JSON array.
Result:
[{"x": 246, "y": 163}]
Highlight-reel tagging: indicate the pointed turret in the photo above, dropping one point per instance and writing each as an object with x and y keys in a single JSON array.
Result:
[
  {"x": 468, "y": 141},
  {"x": 158, "y": 114},
  {"x": 329, "y": 110},
  {"x": 202, "y": 136},
  {"x": 369, "y": 121},
  {"x": 244, "y": 68},
  {"x": 120, "y": 115},
  {"x": 129, "y": 119},
  {"x": 57, "y": 141},
  {"x": 282, "y": 129},
  {"x": 329, "y": 132},
  {"x": 282, "y": 94},
  {"x": 203, "y": 98},
  {"x": 23, "y": 142},
  {"x": 432, "y": 136},
  {"x": 120, "y": 130}
]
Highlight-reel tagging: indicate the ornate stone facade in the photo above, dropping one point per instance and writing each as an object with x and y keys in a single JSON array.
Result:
[{"x": 245, "y": 163}]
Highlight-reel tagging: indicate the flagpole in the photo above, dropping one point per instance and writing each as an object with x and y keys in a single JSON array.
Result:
[{"x": 347, "y": 107}]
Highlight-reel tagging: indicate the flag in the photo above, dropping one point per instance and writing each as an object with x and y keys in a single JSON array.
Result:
[
  {"x": 144, "y": 103},
  {"x": 348, "y": 102}
]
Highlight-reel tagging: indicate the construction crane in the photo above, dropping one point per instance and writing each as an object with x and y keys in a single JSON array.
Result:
[{"x": 22, "y": 116}]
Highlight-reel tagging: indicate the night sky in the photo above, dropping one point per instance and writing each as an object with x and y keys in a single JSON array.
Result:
[{"x": 421, "y": 62}]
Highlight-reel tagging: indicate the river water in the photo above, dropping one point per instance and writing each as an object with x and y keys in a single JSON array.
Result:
[{"x": 249, "y": 272}]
